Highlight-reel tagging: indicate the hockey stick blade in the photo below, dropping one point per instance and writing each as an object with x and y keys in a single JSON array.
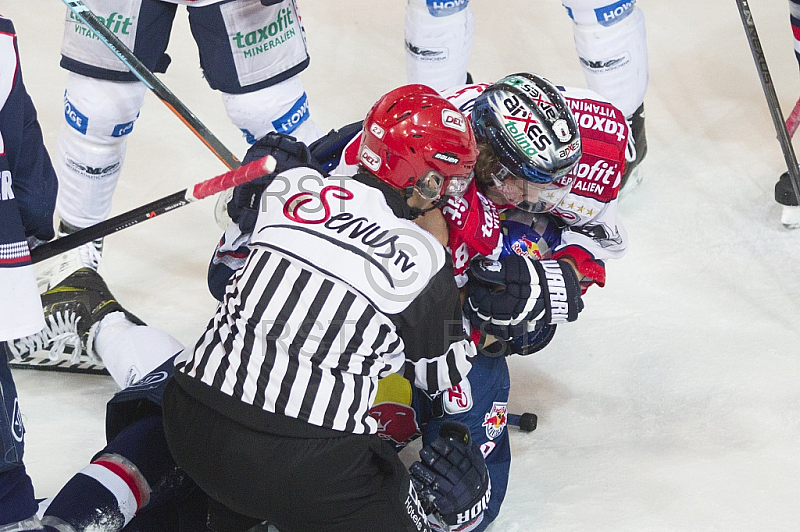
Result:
[
  {"x": 152, "y": 82},
  {"x": 525, "y": 422},
  {"x": 243, "y": 174}
]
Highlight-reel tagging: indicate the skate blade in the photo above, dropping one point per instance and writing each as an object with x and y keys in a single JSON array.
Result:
[{"x": 790, "y": 217}]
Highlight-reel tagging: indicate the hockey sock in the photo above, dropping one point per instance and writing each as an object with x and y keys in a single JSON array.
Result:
[
  {"x": 438, "y": 42},
  {"x": 17, "y": 502},
  {"x": 109, "y": 492},
  {"x": 794, "y": 18},
  {"x": 105, "y": 495},
  {"x": 131, "y": 351}
]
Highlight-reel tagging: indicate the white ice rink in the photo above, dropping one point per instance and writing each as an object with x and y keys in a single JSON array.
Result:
[{"x": 672, "y": 404}]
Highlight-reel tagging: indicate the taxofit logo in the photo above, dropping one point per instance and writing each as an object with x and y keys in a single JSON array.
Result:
[
  {"x": 116, "y": 22},
  {"x": 267, "y": 37}
]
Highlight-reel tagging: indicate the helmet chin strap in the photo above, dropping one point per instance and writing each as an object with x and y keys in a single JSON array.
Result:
[{"x": 416, "y": 212}]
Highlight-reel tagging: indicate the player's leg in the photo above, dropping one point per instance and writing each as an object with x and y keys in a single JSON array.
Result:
[
  {"x": 17, "y": 503},
  {"x": 253, "y": 54},
  {"x": 784, "y": 192},
  {"x": 134, "y": 476},
  {"x": 611, "y": 43},
  {"x": 438, "y": 38},
  {"x": 101, "y": 103},
  {"x": 794, "y": 20},
  {"x": 481, "y": 403}
]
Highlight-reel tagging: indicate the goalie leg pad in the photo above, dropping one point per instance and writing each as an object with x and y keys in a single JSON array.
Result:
[
  {"x": 282, "y": 108},
  {"x": 91, "y": 145},
  {"x": 438, "y": 37},
  {"x": 611, "y": 43}
]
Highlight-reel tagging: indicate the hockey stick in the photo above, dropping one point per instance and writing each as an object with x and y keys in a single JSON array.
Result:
[
  {"x": 769, "y": 93},
  {"x": 152, "y": 82},
  {"x": 526, "y": 422},
  {"x": 209, "y": 187},
  {"x": 793, "y": 120}
]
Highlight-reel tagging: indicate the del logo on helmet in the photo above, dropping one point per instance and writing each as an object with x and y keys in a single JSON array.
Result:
[
  {"x": 370, "y": 159},
  {"x": 454, "y": 120}
]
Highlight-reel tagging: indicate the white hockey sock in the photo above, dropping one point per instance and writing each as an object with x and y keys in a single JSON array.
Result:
[
  {"x": 438, "y": 47},
  {"x": 91, "y": 145},
  {"x": 130, "y": 351},
  {"x": 614, "y": 59},
  {"x": 282, "y": 108}
]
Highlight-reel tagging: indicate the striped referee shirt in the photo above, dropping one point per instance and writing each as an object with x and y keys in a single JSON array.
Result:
[{"x": 337, "y": 293}]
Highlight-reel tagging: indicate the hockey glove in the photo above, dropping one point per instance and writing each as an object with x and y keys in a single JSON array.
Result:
[
  {"x": 288, "y": 152},
  {"x": 516, "y": 296},
  {"x": 452, "y": 480}
]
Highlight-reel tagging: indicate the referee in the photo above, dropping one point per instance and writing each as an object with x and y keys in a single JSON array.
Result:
[{"x": 347, "y": 281}]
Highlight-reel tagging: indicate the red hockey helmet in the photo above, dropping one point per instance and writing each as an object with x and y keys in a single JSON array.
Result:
[{"x": 413, "y": 133}]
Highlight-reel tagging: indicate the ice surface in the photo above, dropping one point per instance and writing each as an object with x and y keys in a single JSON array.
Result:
[{"x": 673, "y": 403}]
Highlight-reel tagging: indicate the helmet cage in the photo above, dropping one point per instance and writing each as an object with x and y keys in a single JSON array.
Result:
[{"x": 528, "y": 124}]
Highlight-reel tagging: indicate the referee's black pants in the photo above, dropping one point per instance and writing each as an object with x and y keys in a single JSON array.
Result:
[{"x": 351, "y": 483}]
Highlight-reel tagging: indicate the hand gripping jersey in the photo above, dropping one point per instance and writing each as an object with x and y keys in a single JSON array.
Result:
[{"x": 592, "y": 231}]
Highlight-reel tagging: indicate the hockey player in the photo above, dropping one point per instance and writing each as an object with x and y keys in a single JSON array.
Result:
[
  {"x": 609, "y": 38},
  {"x": 250, "y": 50},
  {"x": 347, "y": 281},
  {"x": 27, "y": 200},
  {"x": 784, "y": 192}
]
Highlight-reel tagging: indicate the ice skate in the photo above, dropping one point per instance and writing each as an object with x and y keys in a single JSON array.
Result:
[
  {"x": 72, "y": 311},
  {"x": 784, "y": 194},
  {"x": 635, "y": 153}
]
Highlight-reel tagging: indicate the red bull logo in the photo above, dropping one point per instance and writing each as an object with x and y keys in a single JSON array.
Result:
[
  {"x": 495, "y": 420},
  {"x": 397, "y": 423},
  {"x": 524, "y": 247}
]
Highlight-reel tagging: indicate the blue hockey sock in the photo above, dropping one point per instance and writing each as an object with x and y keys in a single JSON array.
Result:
[{"x": 17, "y": 502}]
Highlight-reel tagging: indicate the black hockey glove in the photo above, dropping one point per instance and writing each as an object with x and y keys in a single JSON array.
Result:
[
  {"x": 527, "y": 344},
  {"x": 532, "y": 342},
  {"x": 288, "y": 152},
  {"x": 452, "y": 480},
  {"x": 270, "y": 2},
  {"x": 513, "y": 297}
]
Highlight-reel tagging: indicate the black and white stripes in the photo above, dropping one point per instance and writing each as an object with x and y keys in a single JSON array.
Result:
[
  {"x": 306, "y": 335},
  {"x": 291, "y": 340}
]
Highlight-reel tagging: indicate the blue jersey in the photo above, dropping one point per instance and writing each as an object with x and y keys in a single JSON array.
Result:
[{"x": 27, "y": 194}]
